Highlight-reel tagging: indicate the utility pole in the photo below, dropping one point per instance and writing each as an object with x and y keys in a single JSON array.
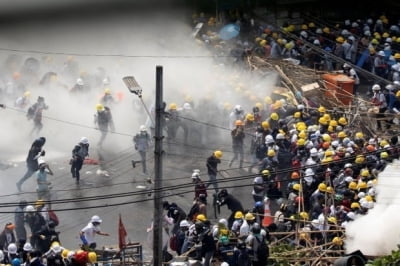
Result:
[{"x": 158, "y": 209}]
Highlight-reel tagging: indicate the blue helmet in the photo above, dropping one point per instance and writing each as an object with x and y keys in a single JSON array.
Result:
[
  {"x": 16, "y": 262},
  {"x": 258, "y": 204}
]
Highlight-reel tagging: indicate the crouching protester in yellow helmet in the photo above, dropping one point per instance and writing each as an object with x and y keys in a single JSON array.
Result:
[
  {"x": 88, "y": 233},
  {"x": 212, "y": 169}
]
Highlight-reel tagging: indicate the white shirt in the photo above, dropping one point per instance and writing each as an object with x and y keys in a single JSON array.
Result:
[{"x": 90, "y": 231}]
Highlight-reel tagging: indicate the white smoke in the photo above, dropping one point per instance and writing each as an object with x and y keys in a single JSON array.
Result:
[{"x": 378, "y": 232}]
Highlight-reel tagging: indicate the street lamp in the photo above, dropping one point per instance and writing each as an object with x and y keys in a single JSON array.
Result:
[{"x": 134, "y": 87}]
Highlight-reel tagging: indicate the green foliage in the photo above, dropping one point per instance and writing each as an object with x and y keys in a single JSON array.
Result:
[{"x": 388, "y": 260}]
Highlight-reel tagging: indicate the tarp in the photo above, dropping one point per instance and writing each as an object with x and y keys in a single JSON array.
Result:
[{"x": 229, "y": 31}]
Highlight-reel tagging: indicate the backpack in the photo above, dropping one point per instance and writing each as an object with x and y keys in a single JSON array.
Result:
[
  {"x": 262, "y": 251},
  {"x": 53, "y": 217},
  {"x": 31, "y": 112}
]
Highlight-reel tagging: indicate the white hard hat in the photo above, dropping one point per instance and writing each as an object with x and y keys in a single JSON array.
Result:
[
  {"x": 95, "y": 219},
  {"x": 348, "y": 179},
  {"x": 388, "y": 40},
  {"x": 142, "y": 128},
  {"x": 27, "y": 246},
  {"x": 347, "y": 22},
  {"x": 300, "y": 107},
  {"x": 335, "y": 143},
  {"x": 57, "y": 249},
  {"x": 84, "y": 140},
  {"x": 367, "y": 33},
  {"x": 280, "y": 136},
  {"x": 223, "y": 221},
  {"x": 318, "y": 31},
  {"x": 187, "y": 106},
  {"x": 309, "y": 172},
  {"x": 361, "y": 195},
  {"x": 389, "y": 87},
  {"x": 378, "y": 21},
  {"x": 370, "y": 21},
  {"x": 184, "y": 223},
  {"x": 195, "y": 175},
  {"x": 313, "y": 152},
  {"x": 12, "y": 248},
  {"x": 316, "y": 42},
  {"x": 351, "y": 215},
  {"x": 345, "y": 65},
  {"x": 79, "y": 81},
  {"x": 381, "y": 53},
  {"x": 29, "y": 208},
  {"x": 303, "y": 34},
  {"x": 345, "y": 32},
  {"x": 354, "y": 24},
  {"x": 348, "y": 165},
  {"x": 238, "y": 107},
  {"x": 269, "y": 139},
  {"x": 376, "y": 87},
  {"x": 351, "y": 38},
  {"x": 371, "y": 141}
]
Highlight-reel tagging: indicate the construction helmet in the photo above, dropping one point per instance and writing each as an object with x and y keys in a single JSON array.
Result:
[
  {"x": 322, "y": 121},
  {"x": 39, "y": 203},
  {"x": 95, "y": 219},
  {"x": 365, "y": 173},
  {"x": 184, "y": 223},
  {"x": 268, "y": 100},
  {"x": 271, "y": 153},
  {"x": 92, "y": 257},
  {"x": 326, "y": 30},
  {"x": 238, "y": 215},
  {"x": 301, "y": 142},
  {"x": 259, "y": 105},
  {"x": 376, "y": 87},
  {"x": 265, "y": 125},
  {"x": 201, "y": 218},
  {"x": 359, "y": 159},
  {"x": 249, "y": 217},
  {"x": 27, "y": 94},
  {"x": 12, "y": 248},
  {"x": 239, "y": 123},
  {"x": 274, "y": 116},
  {"x": 265, "y": 172},
  {"x": 173, "y": 106},
  {"x": 99, "y": 107},
  {"x": 321, "y": 109},
  {"x": 329, "y": 190},
  {"x": 250, "y": 117},
  {"x": 333, "y": 123},
  {"x": 397, "y": 56},
  {"x": 332, "y": 219},
  {"x": 302, "y": 134},
  {"x": 326, "y": 137},
  {"x": 218, "y": 154},
  {"x": 398, "y": 93},
  {"x": 311, "y": 25},
  {"x": 263, "y": 42},
  {"x": 337, "y": 241},
  {"x": 297, "y": 115},
  {"x": 27, "y": 247},
  {"x": 64, "y": 253},
  {"x": 107, "y": 91},
  {"x": 355, "y": 205},
  {"x": 384, "y": 155},
  {"x": 362, "y": 185},
  {"x": 322, "y": 187},
  {"x": 342, "y": 134},
  {"x": 383, "y": 143},
  {"x": 328, "y": 153},
  {"x": 295, "y": 175},
  {"x": 304, "y": 27},
  {"x": 342, "y": 121},
  {"x": 304, "y": 215},
  {"x": 353, "y": 185},
  {"x": 296, "y": 187},
  {"x": 340, "y": 39},
  {"x": 359, "y": 135},
  {"x": 368, "y": 198}
]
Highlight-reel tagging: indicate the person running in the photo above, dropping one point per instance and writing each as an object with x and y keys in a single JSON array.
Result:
[
  {"x": 32, "y": 160},
  {"x": 79, "y": 153},
  {"x": 88, "y": 233},
  {"x": 142, "y": 142}
]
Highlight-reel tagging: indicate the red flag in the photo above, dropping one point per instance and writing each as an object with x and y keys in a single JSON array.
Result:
[{"x": 121, "y": 233}]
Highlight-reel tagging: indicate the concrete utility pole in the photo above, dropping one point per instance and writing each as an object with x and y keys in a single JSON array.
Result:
[{"x": 158, "y": 209}]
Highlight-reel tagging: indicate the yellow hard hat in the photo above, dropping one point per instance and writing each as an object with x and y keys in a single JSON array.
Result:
[
  {"x": 304, "y": 215},
  {"x": 278, "y": 104},
  {"x": 322, "y": 187},
  {"x": 333, "y": 123},
  {"x": 329, "y": 190},
  {"x": 250, "y": 117},
  {"x": 342, "y": 134},
  {"x": 303, "y": 134},
  {"x": 301, "y": 142},
  {"x": 301, "y": 126},
  {"x": 384, "y": 155},
  {"x": 342, "y": 121},
  {"x": 332, "y": 220},
  {"x": 326, "y": 30},
  {"x": 54, "y": 243},
  {"x": 374, "y": 41},
  {"x": 64, "y": 253},
  {"x": 362, "y": 185},
  {"x": 201, "y": 218},
  {"x": 368, "y": 198},
  {"x": 326, "y": 137},
  {"x": 385, "y": 35},
  {"x": 271, "y": 153},
  {"x": 397, "y": 56},
  {"x": 107, "y": 91},
  {"x": 263, "y": 42},
  {"x": 239, "y": 215},
  {"x": 398, "y": 94},
  {"x": 331, "y": 129},
  {"x": 92, "y": 257},
  {"x": 265, "y": 172},
  {"x": 337, "y": 241},
  {"x": 249, "y": 217},
  {"x": 311, "y": 25},
  {"x": 173, "y": 106},
  {"x": 340, "y": 39},
  {"x": 297, "y": 115},
  {"x": 27, "y": 94},
  {"x": 268, "y": 100},
  {"x": 296, "y": 187},
  {"x": 360, "y": 159},
  {"x": 39, "y": 203},
  {"x": 304, "y": 27},
  {"x": 218, "y": 154},
  {"x": 327, "y": 117},
  {"x": 353, "y": 185},
  {"x": 265, "y": 125},
  {"x": 322, "y": 121},
  {"x": 398, "y": 39},
  {"x": 355, "y": 205},
  {"x": 259, "y": 105},
  {"x": 274, "y": 116},
  {"x": 365, "y": 173},
  {"x": 328, "y": 153},
  {"x": 99, "y": 107},
  {"x": 359, "y": 135}
]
